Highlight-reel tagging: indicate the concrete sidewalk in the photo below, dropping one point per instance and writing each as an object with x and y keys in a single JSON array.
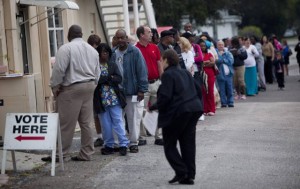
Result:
[{"x": 256, "y": 144}]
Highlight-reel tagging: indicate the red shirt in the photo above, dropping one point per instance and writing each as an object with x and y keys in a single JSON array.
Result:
[{"x": 151, "y": 55}]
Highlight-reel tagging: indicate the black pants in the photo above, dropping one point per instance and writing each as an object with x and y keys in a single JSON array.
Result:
[
  {"x": 182, "y": 129},
  {"x": 269, "y": 70},
  {"x": 280, "y": 79}
]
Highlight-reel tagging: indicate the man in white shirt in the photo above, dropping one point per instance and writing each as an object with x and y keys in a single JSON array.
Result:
[{"x": 74, "y": 78}]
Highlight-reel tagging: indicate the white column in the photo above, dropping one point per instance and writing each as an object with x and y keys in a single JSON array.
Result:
[
  {"x": 14, "y": 50},
  {"x": 126, "y": 17},
  {"x": 136, "y": 14},
  {"x": 150, "y": 13},
  {"x": 3, "y": 51}
]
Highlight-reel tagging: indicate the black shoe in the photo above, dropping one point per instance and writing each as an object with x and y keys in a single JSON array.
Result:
[
  {"x": 177, "y": 179},
  {"x": 262, "y": 89},
  {"x": 188, "y": 181},
  {"x": 142, "y": 142},
  {"x": 159, "y": 142},
  {"x": 230, "y": 105},
  {"x": 107, "y": 150},
  {"x": 134, "y": 149},
  {"x": 147, "y": 133},
  {"x": 223, "y": 106},
  {"x": 98, "y": 142},
  {"x": 49, "y": 159},
  {"x": 76, "y": 158},
  {"x": 123, "y": 150}
]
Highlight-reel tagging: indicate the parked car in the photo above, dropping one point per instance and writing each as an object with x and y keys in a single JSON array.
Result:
[{"x": 290, "y": 33}]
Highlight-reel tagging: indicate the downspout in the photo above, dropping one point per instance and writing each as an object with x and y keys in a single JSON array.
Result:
[
  {"x": 136, "y": 14},
  {"x": 150, "y": 13},
  {"x": 126, "y": 17},
  {"x": 101, "y": 21}
]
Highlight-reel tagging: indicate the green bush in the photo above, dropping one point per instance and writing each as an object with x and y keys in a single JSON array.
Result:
[{"x": 248, "y": 31}]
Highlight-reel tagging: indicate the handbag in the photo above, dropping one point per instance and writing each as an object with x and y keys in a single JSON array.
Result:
[
  {"x": 203, "y": 76},
  {"x": 216, "y": 70}
]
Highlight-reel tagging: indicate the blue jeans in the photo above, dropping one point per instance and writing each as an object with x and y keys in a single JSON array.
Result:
[
  {"x": 226, "y": 90},
  {"x": 111, "y": 121}
]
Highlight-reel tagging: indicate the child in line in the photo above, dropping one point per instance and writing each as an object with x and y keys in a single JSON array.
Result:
[{"x": 279, "y": 69}]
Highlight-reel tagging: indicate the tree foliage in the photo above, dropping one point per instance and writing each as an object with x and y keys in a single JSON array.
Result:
[
  {"x": 272, "y": 16},
  {"x": 170, "y": 12}
]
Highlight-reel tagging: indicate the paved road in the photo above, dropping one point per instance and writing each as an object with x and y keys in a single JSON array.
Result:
[{"x": 254, "y": 145}]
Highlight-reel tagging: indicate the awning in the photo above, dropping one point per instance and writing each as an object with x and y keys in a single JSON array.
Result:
[
  {"x": 50, "y": 3},
  {"x": 163, "y": 28},
  {"x": 59, "y": 4}
]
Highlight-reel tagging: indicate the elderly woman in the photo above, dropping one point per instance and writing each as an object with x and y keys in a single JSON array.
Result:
[
  {"x": 179, "y": 105},
  {"x": 224, "y": 78}
]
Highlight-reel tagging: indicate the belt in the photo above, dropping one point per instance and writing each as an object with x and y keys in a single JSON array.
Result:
[
  {"x": 152, "y": 81},
  {"x": 84, "y": 81}
]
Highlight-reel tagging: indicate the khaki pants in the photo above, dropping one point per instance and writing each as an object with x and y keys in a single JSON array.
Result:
[
  {"x": 239, "y": 80},
  {"x": 134, "y": 112},
  {"x": 75, "y": 103}
]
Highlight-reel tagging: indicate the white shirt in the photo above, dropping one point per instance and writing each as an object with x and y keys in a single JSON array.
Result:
[
  {"x": 252, "y": 53},
  {"x": 76, "y": 61},
  {"x": 188, "y": 59},
  {"x": 195, "y": 66}
]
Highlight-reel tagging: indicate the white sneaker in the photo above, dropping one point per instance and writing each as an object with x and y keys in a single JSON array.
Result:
[
  {"x": 236, "y": 97},
  {"x": 243, "y": 97},
  {"x": 202, "y": 118}
]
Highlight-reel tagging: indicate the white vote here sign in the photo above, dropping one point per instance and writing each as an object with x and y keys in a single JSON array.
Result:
[
  {"x": 32, "y": 131},
  {"x": 35, "y": 131}
]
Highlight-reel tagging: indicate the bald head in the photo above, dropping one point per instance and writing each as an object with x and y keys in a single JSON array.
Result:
[
  {"x": 121, "y": 39},
  {"x": 75, "y": 31},
  {"x": 121, "y": 32}
]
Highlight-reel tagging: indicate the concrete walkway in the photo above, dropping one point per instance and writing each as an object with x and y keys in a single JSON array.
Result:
[{"x": 256, "y": 144}]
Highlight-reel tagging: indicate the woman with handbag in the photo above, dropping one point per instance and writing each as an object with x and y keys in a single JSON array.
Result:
[{"x": 108, "y": 103}]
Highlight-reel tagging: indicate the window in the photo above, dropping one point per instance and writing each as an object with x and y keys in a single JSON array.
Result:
[{"x": 55, "y": 27}]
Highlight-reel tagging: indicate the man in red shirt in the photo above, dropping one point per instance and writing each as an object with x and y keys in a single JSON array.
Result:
[{"x": 151, "y": 55}]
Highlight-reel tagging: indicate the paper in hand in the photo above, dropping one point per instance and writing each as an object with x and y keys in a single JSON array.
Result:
[{"x": 150, "y": 121}]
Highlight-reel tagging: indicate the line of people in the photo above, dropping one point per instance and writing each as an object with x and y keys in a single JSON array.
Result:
[{"x": 154, "y": 74}]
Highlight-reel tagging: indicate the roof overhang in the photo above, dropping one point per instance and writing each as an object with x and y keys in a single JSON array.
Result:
[
  {"x": 51, "y": 3},
  {"x": 59, "y": 4}
]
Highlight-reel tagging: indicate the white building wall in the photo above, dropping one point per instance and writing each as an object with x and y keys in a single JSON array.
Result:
[
  {"x": 87, "y": 17},
  {"x": 224, "y": 30}
]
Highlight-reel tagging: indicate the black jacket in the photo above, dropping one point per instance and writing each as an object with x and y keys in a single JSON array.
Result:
[
  {"x": 177, "y": 94},
  {"x": 113, "y": 79},
  {"x": 239, "y": 55},
  {"x": 297, "y": 49}
]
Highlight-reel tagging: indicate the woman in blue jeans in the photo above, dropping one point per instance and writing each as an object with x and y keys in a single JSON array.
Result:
[
  {"x": 225, "y": 76},
  {"x": 108, "y": 103}
]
